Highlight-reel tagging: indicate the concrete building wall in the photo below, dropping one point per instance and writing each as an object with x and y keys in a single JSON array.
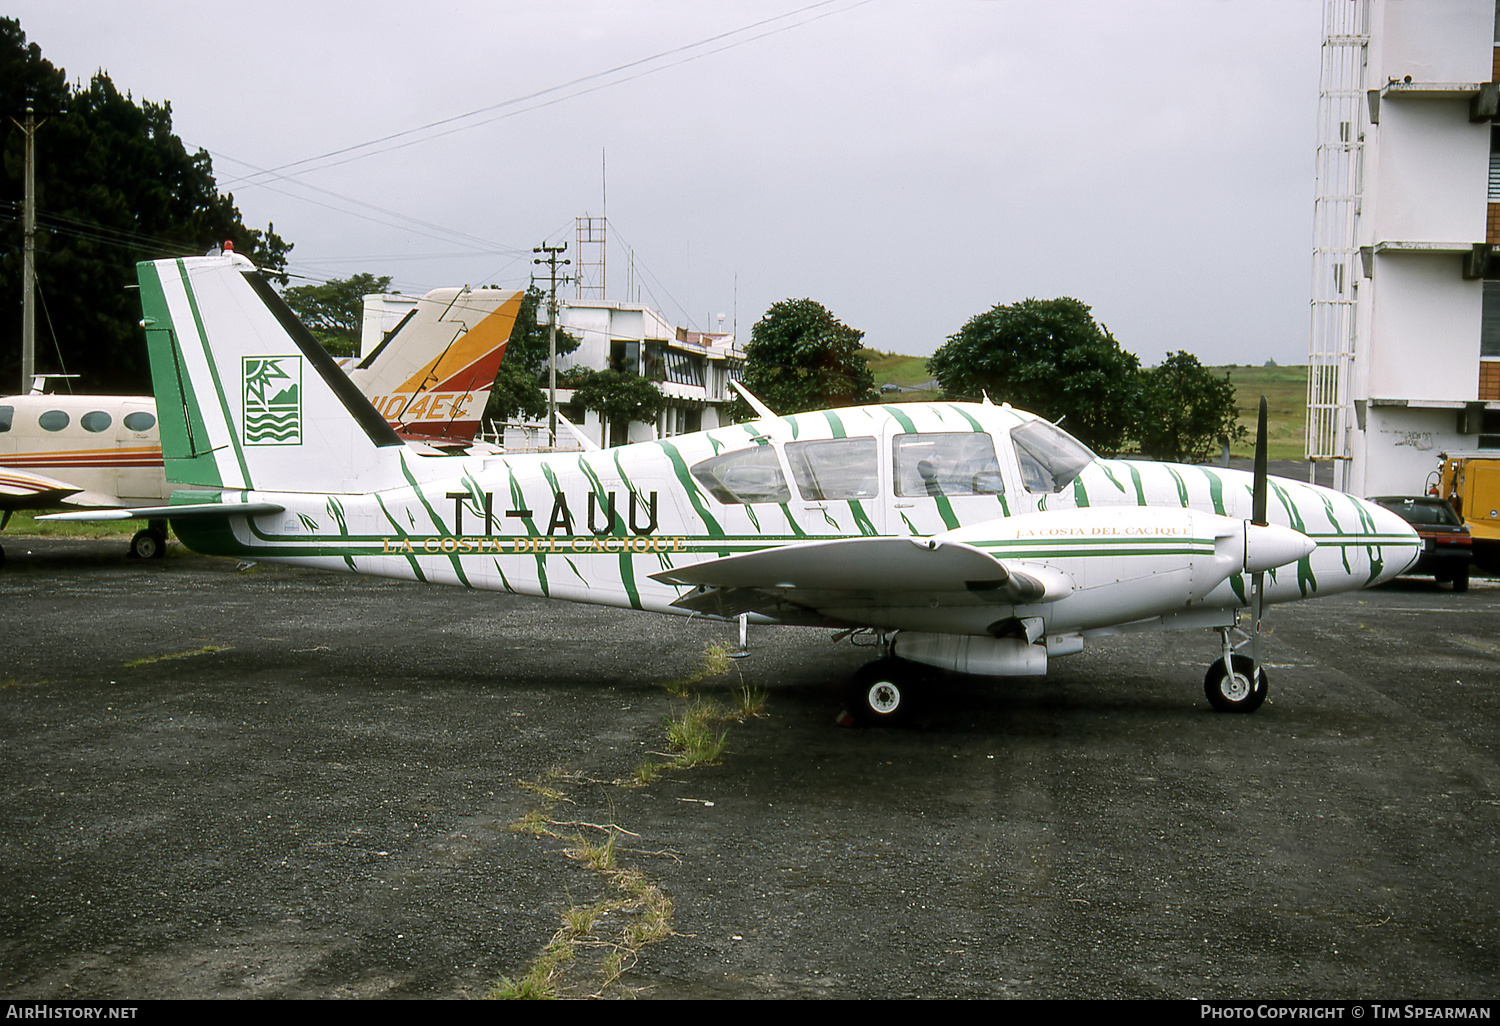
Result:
[
  {"x": 1421, "y": 211},
  {"x": 1431, "y": 40},
  {"x": 1430, "y": 173},
  {"x": 1424, "y": 329}
]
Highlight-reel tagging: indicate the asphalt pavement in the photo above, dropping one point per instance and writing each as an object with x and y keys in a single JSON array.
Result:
[{"x": 267, "y": 782}]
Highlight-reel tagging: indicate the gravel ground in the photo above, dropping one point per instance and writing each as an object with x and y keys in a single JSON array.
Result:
[{"x": 277, "y": 783}]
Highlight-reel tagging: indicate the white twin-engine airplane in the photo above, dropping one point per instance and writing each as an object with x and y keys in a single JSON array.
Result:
[{"x": 973, "y": 538}]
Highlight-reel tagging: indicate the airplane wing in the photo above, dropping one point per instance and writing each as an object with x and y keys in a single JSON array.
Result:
[
  {"x": 178, "y": 512},
  {"x": 21, "y": 489},
  {"x": 862, "y": 572}
]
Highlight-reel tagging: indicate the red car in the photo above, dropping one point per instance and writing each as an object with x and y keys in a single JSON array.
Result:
[{"x": 1447, "y": 549}]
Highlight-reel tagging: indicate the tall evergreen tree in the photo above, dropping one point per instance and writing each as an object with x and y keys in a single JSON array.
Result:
[{"x": 114, "y": 186}]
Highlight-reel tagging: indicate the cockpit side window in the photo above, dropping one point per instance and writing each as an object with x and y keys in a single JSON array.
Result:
[
  {"x": 947, "y": 463},
  {"x": 1050, "y": 458},
  {"x": 7, "y": 417},
  {"x": 835, "y": 468},
  {"x": 749, "y": 475}
]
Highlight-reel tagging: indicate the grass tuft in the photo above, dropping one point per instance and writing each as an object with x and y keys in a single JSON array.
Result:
[
  {"x": 693, "y": 737},
  {"x": 205, "y": 650}
]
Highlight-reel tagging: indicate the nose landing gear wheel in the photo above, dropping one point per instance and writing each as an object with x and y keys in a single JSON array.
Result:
[
  {"x": 1233, "y": 692},
  {"x": 882, "y": 693}
]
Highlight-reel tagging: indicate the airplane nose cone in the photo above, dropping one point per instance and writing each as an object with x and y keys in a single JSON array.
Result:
[{"x": 1399, "y": 546}]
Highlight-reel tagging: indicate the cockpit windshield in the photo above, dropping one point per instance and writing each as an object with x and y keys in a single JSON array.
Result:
[{"x": 1050, "y": 458}]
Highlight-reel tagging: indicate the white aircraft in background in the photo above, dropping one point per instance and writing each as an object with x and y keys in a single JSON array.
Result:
[
  {"x": 973, "y": 538},
  {"x": 430, "y": 376}
]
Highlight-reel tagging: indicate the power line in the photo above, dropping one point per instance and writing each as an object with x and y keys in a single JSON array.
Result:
[{"x": 455, "y": 119}]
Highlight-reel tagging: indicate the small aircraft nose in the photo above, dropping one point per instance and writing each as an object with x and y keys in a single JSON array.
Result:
[{"x": 1399, "y": 554}]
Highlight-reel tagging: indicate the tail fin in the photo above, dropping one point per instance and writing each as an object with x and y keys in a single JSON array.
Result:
[
  {"x": 432, "y": 376},
  {"x": 245, "y": 396}
]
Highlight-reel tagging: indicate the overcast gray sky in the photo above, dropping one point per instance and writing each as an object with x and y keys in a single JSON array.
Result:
[{"x": 908, "y": 163}]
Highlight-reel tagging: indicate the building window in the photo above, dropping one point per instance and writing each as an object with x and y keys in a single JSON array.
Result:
[
  {"x": 1489, "y": 329},
  {"x": 1495, "y": 165}
]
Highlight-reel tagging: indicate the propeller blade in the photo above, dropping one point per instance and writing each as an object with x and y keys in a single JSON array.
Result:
[{"x": 1258, "y": 516}]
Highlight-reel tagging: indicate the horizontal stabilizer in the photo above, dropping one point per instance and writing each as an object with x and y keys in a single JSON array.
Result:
[{"x": 178, "y": 512}]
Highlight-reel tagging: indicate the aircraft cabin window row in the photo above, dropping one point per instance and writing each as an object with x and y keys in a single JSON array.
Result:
[
  {"x": 838, "y": 468},
  {"x": 1050, "y": 457},
  {"x": 954, "y": 463},
  {"x": 94, "y": 421},
  {"x": 750, "y": 475}
]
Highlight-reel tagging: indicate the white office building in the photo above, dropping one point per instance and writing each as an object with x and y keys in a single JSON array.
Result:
[
  {"x": 691, "y": 368},
  {"x": 1405, "y": 345}
]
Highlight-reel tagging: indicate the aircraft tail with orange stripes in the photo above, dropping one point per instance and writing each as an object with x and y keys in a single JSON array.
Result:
[{"x": 432, "y": 374}]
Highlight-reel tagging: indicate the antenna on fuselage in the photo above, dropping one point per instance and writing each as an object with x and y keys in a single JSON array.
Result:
[
  {"x": 760, "y": 408},
  {"x": 589, "y": 445}
]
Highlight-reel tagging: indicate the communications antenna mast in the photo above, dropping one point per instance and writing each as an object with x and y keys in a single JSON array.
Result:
[{"x": 590, "y": 250}]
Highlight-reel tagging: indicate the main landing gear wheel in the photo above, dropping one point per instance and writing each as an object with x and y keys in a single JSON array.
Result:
[
  {"x": 1232, "y": 692},
  {"x": 882, "y": 692},
  {"x": 148, "y": 544}
]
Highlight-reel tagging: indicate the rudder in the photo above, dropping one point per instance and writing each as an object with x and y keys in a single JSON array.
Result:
[{"x": 246, "y": 397}]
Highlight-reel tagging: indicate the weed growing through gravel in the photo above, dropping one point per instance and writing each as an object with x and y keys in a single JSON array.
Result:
[
  {"x": 148, "y": 660},
  {"x": 606, "y": 935}
]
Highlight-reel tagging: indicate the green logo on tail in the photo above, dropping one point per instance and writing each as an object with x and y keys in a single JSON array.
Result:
[{"x": 273, "y": 399}]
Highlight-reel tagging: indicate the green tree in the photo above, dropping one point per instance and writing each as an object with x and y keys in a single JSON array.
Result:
[
  {"x": 1050, "y": 357},
  {"x": 114, "y": 186},
  {"x": 521, "y": 383},
  {"x": 1187, "y": 413},
  {"x": 800, "y": 357},
  {"x": 334, "y": 311},
  {"x": 619, "y": 397}
]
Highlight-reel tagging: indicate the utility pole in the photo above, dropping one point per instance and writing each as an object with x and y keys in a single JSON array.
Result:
[
  {"x": 551, "y": 261},
  {"x": 28, "y": 255}
]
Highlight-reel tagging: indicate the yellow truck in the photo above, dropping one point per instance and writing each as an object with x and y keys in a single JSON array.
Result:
[{"x": 1470, "y": 481}]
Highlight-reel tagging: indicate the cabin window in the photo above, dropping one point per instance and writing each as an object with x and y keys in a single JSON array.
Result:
[
  {"x": 95, "y": 420},
  {"x": 53, "y": 420},
  {"x": 947, "y": 463},
  {"x": 750, "y": 475},
  {"x": 835, "y": 468},
  {"x": 1050, "y": 458},
  {"x": 7, "y": 414},
  {"x": 139, "y": 421}
]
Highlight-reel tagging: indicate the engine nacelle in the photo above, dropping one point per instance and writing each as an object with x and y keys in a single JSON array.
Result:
[{"x": 987, "y": 657}]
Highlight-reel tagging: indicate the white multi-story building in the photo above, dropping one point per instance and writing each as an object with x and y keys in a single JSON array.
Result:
[
  {"x": 1405, "y": 352},
  {"x": 693, "y": 369}
]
